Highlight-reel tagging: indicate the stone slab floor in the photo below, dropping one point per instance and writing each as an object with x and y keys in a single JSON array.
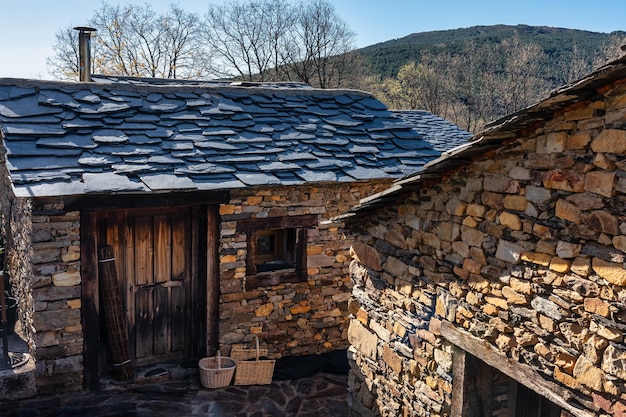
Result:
[{"x": 321, "y": 395}]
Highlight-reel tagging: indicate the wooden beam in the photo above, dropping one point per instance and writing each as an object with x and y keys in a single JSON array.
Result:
[
  {"x": 522, "y": 373},
  {"x": 90, "y": 305},
  {"x": 212, "y": 281},
  {"x": 285, "y": 222},
  {"x": 128, "y": 201}
]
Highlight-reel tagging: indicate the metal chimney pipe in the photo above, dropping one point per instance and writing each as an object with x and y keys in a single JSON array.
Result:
[{"x": 84, "y": 52}]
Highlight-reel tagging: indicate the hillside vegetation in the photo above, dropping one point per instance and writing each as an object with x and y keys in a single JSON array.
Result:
[{"x": 474, "y": 75}]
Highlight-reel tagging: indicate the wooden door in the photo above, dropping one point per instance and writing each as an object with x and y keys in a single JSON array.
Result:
[{"x": 153, "y": 250}]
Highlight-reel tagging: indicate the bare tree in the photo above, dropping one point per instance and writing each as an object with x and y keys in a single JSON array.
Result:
[
  {"x": 134, "y": 40},
  {"x": 271, "y": 40},
  {"x": 521, "y": 84},
  {"x": 247, "y": 37},
  {"x": 318, "y": 48},
  {"x": 64, "y": 63}
]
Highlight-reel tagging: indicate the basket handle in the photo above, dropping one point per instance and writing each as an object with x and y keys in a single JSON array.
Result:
[
  {"x": 258, "y": 351},
  {"x": 219, "y": 360}
]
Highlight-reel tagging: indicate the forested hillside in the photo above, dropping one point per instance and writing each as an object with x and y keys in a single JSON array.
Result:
[
  {"x": 473, "y": 75},
  {"x": 559, "y": 45}
]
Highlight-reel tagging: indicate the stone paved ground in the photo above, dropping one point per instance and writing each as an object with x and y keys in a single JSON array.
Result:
[{"x": 322, "y": 395}]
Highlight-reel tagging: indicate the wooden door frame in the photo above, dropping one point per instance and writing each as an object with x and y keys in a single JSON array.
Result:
[{"x": 204, "y": 310}]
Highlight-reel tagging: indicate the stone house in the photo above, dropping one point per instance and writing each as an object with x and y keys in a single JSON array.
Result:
[
  {"x": 215, "y": 200},
  {"x": 493, "y": 282}
]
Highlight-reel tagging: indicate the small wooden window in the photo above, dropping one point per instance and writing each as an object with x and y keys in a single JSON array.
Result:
[
  {"x": 273, "y": 250},
  {"x": 276, "y": 249}
]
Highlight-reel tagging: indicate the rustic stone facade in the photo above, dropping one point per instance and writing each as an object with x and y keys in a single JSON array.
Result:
[
  {"x": 290, "y": 319},
  {"x": 299, "y": 318},
  {"x": 523, "y": 248},
  {"x": 57, "y": 295}
]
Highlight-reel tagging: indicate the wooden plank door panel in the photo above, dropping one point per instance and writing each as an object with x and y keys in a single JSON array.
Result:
[
  {"x": 154, "y": 264},
  {"x": 143, "y": 324}
]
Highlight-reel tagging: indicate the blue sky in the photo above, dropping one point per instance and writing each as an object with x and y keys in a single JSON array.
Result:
[{"x": 28, "y": 26}]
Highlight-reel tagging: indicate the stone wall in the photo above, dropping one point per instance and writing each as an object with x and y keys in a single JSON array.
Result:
[
  {"x": 524, "y": 248},
  {"x": 56, "y": 289},
  {"x": 294, "y": 318}
]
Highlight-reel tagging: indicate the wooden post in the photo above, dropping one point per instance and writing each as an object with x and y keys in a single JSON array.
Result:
[{"x": 114, "y": 315}]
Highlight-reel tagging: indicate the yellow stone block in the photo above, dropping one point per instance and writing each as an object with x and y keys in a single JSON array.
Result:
[
  {"x": 537, "y": 258},
  {"x": 227, "y": 209},
  {"x": 254, "y": 200},
  {"x": 559, "y": 265},
  {"x": 76, "y": 303},
  {"x": 228, "y": 259},
  {"x": 510, "y": 220},
  {"x": 265, "y": 310},
  {"x": 300, "y": 309}
]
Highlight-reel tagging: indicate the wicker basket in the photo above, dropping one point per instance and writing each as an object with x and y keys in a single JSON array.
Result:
[
  {"x": 256, "y": 371},
  {"x": 216, "y": 372}
]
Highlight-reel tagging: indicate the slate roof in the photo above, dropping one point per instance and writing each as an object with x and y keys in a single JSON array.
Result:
[
  {"x": 439, "y": 132},
  {"x": 496, "y": 134},
  {"x": 141, "y": 135}
]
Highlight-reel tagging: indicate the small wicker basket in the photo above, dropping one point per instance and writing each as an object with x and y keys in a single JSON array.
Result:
[
  {"x": 253, "y": 372},
  {"x": 216, "y": 372}
]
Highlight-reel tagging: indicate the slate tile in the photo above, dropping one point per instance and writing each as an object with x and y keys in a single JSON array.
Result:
[
  {"x": 386, "y": 124},
  {"x": 143, "y": 140},
  {"x": 39, "y": 176},
  {"x": 33, "y": 129},
  {"x": 294, "y": 136},
  {"x": 16, "y": 148},
  {"x": 309, "y": 127},
  {"x": 143, "y": 118},
  {"x": 249, "y": 137},
  {"x": 362, "y": 149},
  {"x": 98, "y": 160},
  {"x": 68, "y": 141},
  {"x": 137, "y": 126},
  {"x": 25, "y": 107},
  {"x": 133, "y": 168},
  {"x": 164, "y": 107},
  {"x": 49, "y": 162},
  {"x": 218, "y": 184},
  {"x": 187, "y": 137},
  {"x": 110, "y": 182},
  {"x": 161, "y": 182},
  {"x": 82, "y": 124},
  {"x": 204, "y": 168},
  {"x": 45, "y": 119},
  {"x": 254, "y": 178},
  {"x": 198, "y": 102},
  {"x": 372, "y": 104},
  {"x": 11, "y": 92},
  {"x": 361, "y": 173},
  {"x": 328, "y": 163},
  {"x": 109, "y": 136},
  {"x": 50, "y": 189},
  {"x": 297, "y": 156},
  {"x": 160, "y": 133},
  {"x": 177, "y": 146},
  {"x": 218, "y": 131},
  {"x": 86, "y": 96},
  {"x": 343, "y": 121},
  {"x": 217, "y": 145},
  {"x": 241, "y": 159},
  {"x": 128, "y": 150},
  {"x": 315, "y": 176},
  {"x": 278, "y": 166},
  {"x": 163, "y": 159},
  {"x": 57, "y": 98}
]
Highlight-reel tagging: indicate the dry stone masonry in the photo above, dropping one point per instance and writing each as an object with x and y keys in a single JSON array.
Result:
[
  {"x": 524, "y": 248},
  {"x": 308, "y": 317}
]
